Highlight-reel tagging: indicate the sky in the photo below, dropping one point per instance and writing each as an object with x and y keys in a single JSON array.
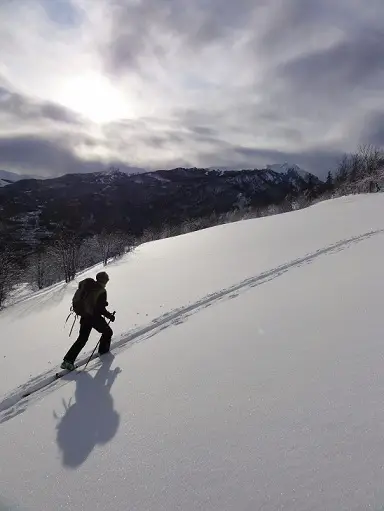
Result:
[{"x": 89, "y": 84}]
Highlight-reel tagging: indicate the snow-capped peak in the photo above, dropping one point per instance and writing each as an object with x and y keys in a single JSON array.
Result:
[
  {"x": 111, "y": 172},
  {"x": 4, "y": 182},
  {"x": 9, "y": 176},
  {"x": 285, "y": 167},
  {"x": 129, "y": 171}
]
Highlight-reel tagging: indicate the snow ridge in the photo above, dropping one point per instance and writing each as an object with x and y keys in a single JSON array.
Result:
[{"x": 17, "y": 401}]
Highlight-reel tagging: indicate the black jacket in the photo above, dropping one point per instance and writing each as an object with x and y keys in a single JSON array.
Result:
[{"x": 101, "y": 304}]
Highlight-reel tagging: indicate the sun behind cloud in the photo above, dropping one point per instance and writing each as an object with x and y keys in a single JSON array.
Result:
[{"x": 94, "y": 97}]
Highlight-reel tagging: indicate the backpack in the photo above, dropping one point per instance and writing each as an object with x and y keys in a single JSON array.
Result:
[{"x": 85, "y": 297}]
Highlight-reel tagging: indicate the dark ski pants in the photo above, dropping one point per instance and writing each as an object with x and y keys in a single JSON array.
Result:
[{"x": 86, "y": 325}]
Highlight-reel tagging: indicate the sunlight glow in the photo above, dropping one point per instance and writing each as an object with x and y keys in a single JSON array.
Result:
[{"x": 94, "y": 97}]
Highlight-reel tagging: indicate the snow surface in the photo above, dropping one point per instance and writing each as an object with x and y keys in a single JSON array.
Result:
[
  {"x": 159, "y": 177},
  {"x": 247, "y": 375}
]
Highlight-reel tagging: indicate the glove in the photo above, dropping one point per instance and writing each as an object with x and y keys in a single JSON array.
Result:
[{"x": 111, "y": 317}]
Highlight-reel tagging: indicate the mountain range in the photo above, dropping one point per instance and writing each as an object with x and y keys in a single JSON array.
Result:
[
  {"x": 114, "y": 200},
  {"x": 7, "y": 177}
]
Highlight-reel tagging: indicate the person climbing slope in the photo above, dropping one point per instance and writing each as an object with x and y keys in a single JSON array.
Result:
[{"x": 90, "y": 302}]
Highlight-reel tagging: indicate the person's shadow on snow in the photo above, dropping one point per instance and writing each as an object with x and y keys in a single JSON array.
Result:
[{"x": 91, "y": 420}]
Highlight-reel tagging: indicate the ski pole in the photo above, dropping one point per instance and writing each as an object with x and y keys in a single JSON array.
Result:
[
  {"x": 98, "y": 342},
  {"x": 91, "y": 355},
  {"x": 73, "y": 324}
]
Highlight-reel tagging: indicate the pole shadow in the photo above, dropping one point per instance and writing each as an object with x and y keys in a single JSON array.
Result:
[{"x": 91, "y": 420}]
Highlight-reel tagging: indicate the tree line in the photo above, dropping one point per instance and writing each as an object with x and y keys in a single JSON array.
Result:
[
  {"x": 59, "y": 258},
  {"x": 68, "y": 251}
]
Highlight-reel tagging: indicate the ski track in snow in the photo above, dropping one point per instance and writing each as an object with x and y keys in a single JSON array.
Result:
[{"x": 17, "y": 401}]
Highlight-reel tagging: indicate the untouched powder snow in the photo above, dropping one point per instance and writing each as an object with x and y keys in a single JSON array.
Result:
[
  {"x": 160, "y": 277},
  {"x": 247, "y": 375}
]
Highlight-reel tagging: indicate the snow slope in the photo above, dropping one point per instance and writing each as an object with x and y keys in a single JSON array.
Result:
[{"x": 247, "y": 375}]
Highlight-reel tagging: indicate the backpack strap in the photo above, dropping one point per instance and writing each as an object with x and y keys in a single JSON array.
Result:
[
  {"x": 74, "y": 321},
  {"x": 70, "y": 314}
]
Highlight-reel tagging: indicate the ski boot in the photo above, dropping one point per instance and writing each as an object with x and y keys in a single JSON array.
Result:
[{"x": 69, "y": 366}]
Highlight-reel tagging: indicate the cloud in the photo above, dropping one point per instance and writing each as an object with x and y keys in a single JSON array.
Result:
[
  {"x": 374, "y": 131},
  {"x": 188, "y": 82},
  {"x": 320, "y": 160},
  {"x": 23, "y": 108},
  {"x": 48, "y": 158},
  {"x": 39, "y": 154},
  {"x": 155, "y": 29},
  {"x": 351, "y": 67}
]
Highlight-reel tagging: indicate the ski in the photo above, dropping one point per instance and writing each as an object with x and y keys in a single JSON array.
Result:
[
  {"x": 81, "y": 366},
  {"x": 48, "y": 381}
]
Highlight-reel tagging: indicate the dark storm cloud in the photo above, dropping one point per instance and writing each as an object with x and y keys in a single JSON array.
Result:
[
  {"x": 357, "y": 62},
  {"x": 203, "y": 131},
  {"x": 24, "y": 108},
  {"x": 176, "y": 134},
  {"x": 373, "y": 132},
  {"x": 48, "y": 158},
  {"x": 146, "y": 27},
  {"x": 31, "y": 151},
  {"x": 338, "y": 58}
]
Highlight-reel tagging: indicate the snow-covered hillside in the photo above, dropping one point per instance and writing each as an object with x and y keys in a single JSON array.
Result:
[{"x": 247, "y": 375}]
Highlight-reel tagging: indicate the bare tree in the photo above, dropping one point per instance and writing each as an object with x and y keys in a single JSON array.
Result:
[
  {"x": 343, "y": 169},
  {"x": 67, "y": 246},
  {"x": 105, "y": 242},
  {"x": 355, "y": 167},
  {"x": 40, "y": 269},
  {"x": 124, "y": 243},
  {"x": 286, "y": 205},
  {"x": 112, "y": 244},
  {"x": 360, "y": 172},
  {"x": 43, "y": 269},
  {"x": 148, "y": 235},
  {"x": 8, "y": 272},
  {"x": 371, "y": 158}
]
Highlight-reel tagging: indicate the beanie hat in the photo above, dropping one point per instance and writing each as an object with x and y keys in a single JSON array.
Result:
[{"x": 102, "y": 277}]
